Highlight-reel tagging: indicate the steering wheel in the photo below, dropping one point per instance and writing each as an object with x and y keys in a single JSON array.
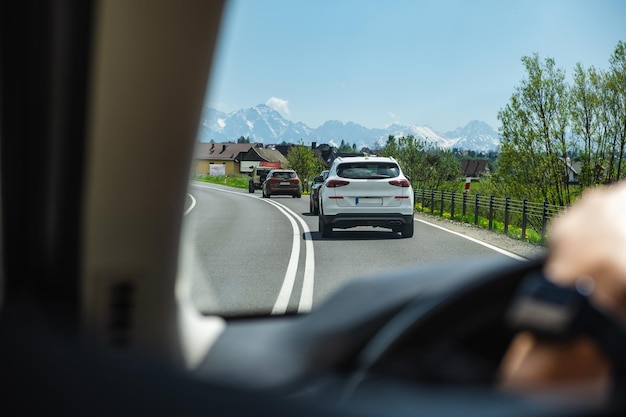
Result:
[{"x": 457, "y": 337}]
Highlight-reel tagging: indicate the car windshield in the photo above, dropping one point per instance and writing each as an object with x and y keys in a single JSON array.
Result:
[
  {"x": 368, "y": 170},
  {"x": 285, "y": 174},
  {"x": 451, "y": 90}
]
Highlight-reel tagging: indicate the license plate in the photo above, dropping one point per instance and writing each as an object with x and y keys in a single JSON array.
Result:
[
  {"x": 368, "y": 201},
  {"x": 285, "y": 183}
]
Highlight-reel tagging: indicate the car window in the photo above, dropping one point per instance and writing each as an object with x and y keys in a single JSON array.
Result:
[
  {"x": 368, "y": 170},
  {"x": 284, "y": 175}
]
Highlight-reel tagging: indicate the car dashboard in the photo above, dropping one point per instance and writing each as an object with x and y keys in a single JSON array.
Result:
[{"x": 404, "y": 340}]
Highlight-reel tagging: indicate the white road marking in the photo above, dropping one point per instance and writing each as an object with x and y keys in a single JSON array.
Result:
[
  {"x": 308, "y": 283},
  {"x": 282, "y": 302},
  {"x": 487, "y": 245},
  {"x": 193, "y": 204}
]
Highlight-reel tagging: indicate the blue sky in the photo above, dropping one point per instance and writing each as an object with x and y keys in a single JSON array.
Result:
[{"x": 374, "y": 62}]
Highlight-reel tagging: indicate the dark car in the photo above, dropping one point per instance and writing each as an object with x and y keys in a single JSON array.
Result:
[
  {"x": 282, "y": 182},
  {"x": 314, "y": 202}
]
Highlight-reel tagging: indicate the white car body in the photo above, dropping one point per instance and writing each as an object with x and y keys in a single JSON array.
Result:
[{"x": 366, "y": 191}]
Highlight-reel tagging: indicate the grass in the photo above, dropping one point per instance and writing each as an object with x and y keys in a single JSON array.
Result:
[
  {"x": 497, "y": 226},
  {"x": 231, "y": 181}
]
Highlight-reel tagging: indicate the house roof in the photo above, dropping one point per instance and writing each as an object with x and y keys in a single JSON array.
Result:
[
  {"x": 326, "y": 153},
  {"x": 574, "y": 166},
  {"x": 221, "y": 151},
  {"x": 474, "y": 167},
  {"x": 270, "y": 155},
  {"x": 283, "y": 149},
  {"x": 263, "y": 155}
]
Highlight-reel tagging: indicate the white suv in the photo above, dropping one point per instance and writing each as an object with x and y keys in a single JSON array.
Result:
[{"x": 366, "y": 191}]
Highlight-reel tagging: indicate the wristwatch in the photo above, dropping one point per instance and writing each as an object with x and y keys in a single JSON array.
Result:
[{"x": 556, "y": 313}]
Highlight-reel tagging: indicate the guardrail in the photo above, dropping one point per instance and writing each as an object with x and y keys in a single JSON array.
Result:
[{"x": 515, "y": 218}]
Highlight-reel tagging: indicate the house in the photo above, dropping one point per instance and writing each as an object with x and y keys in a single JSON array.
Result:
[
  {"x": 572, "y": 170},
  {"x": 219, "y": 158},
  {"x": 474, "y": 168},
  {"x": 258, "y": 156},
  {"x": 234, "y": 158}
]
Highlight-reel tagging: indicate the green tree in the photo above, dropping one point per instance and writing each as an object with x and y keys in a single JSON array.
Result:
[
  {"x": 616, "y": 111},
  {"x": 304, "y": 161},
  {"x": 243, "y": 139},
  {"x": 587, "y": 115},
  {"x": 534, "y": 145},
  {"x": 345, "y": 147},
  {"x": 441, "y": 168},
  {"x": 391, "y": 148},
  {"x": 411, "y": 157},
  {"x": 428, "y": 167}
]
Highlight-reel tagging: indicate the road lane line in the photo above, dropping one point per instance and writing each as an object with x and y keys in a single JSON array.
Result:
[
  {"x": 193, "y": 204},
  {"x": 480, "y": 242},
  {"x": 282, "y": 302},
  {"x": 308, "y": 282},
  {"x": 306, "y": 297}
]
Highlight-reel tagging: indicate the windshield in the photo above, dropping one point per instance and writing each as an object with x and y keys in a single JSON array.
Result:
[
  {"x": 450, "y": 90},
  {"x": 368, "y": 170},
  {"x": 284, "y": 174}
]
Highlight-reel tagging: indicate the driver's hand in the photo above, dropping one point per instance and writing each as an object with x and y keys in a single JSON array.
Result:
[{"x": 587, "y": 240}]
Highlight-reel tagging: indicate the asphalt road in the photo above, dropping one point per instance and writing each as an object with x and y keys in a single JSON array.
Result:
[{"x": 249, "y": 255}]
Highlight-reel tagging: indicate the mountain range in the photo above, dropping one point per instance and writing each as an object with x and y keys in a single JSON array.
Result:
[{"x": 265, "y": 125}]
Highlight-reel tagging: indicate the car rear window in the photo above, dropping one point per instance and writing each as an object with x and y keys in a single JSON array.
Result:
[
  {"x": 368, "y": 170},
  {"x": 284, "y": 175}
]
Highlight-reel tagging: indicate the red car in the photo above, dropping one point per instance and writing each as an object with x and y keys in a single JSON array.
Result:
[{"x": 282, "y": 182}]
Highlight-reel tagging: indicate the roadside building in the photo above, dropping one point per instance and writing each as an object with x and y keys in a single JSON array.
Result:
[
  {"x": 234, "y": 158},
  {"x": 227, "y": 154}
]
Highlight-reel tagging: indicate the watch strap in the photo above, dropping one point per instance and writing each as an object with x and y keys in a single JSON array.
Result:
[{"x": 559, "y": 313}]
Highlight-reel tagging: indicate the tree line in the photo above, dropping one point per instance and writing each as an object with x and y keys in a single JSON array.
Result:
[
  {"x": 427, "y": 166},
  {"x": 550, "y": 127}
]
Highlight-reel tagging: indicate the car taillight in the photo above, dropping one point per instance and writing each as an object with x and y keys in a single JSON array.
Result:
[
  {"x": 296, "y": 180},
  {"x": 336, "y": 183},
  {"x": 400, "y": 183}
]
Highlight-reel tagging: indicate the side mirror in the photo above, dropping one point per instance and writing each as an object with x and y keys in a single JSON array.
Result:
[{"x": 318, "y": 179}]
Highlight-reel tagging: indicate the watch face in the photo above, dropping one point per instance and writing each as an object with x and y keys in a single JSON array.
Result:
[
  {"x": 544, "y": 308},
  {"x": 541, "y": 317}
]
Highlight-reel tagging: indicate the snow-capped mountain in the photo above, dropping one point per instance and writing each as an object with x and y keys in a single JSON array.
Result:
[
  {"x": 475, "y": 135},
  {"x": 425, "y": 133},
  {"x": 265, "y": 125},
  {"x": 336, "y": 131},
  {"x": 260, "y": 124}
]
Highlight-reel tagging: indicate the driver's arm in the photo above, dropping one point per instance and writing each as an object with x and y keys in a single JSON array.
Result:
[{"x": 589, "y": 239}]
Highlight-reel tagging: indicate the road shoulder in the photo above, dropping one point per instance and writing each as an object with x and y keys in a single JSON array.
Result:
[{"x": 518, "y": 247}]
